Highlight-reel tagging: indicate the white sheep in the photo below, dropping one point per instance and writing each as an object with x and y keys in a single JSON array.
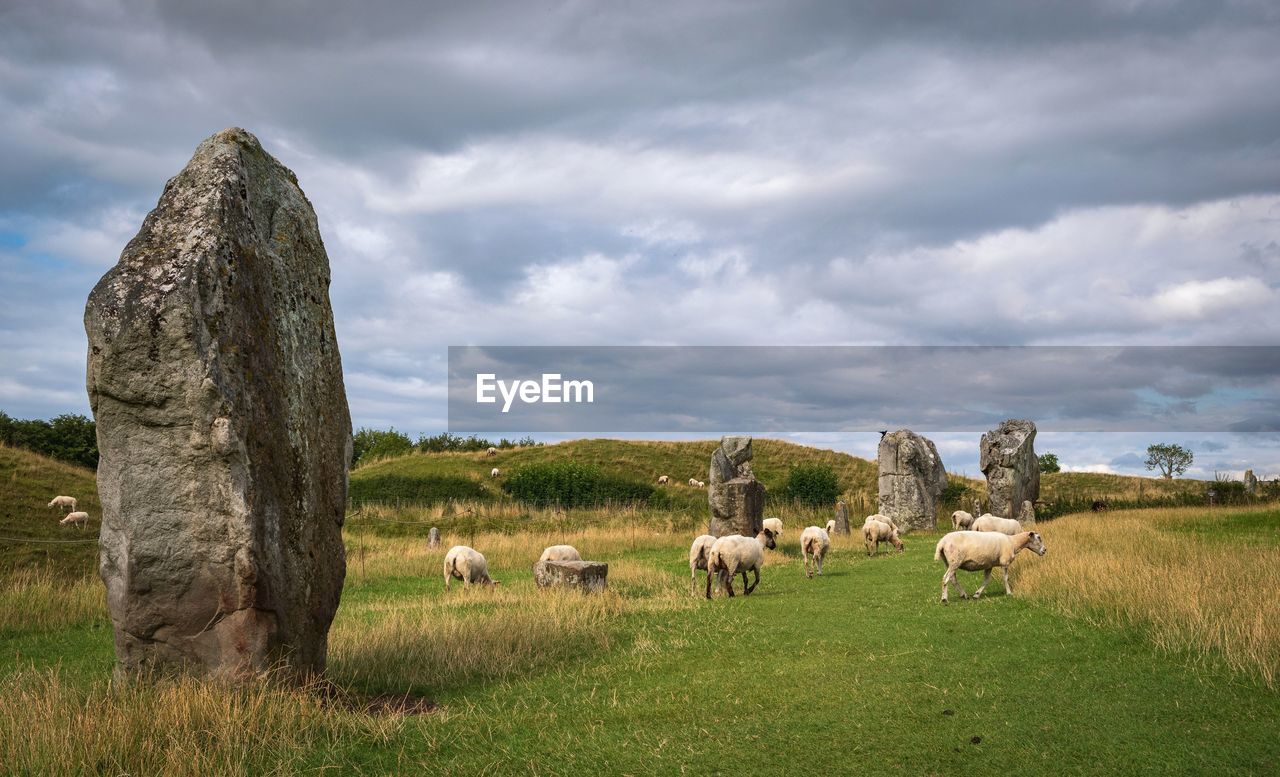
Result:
[
  {"x": 466, "y": 564},
  {"x": 774, "y": 525},
  {"x": 737, "y": 554},
  {"x": 68, "y": 502},
  {"x": 663, "y": 480},
  {"x": 814, "y": 542},
  {"x": 495, "y": 472},
  {"x": 876, "y": 531},
  {"x": 831, "y": 526},
  {"x": 702, "y": 484},
  {"x": 698, "y": 553},
  {"x": 882, "y": 518},
  {"x": 989, "y": 522},
  {"x": 561, "y": 553},
  {"x": 492, "y": 451},
  {"x": 961, "y": 519},
  {"x": 693, "y": 481},
  {"x": 975, "y": 551},
  {"x": 75, "y": 519}
]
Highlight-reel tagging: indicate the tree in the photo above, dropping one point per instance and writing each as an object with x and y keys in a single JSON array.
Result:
[
  {"x": 1172, "y": 460},
  {"x": 1049, "y": 463},
  {"x": 812, "y": 484},
  {"x": 368, "y": 444}
]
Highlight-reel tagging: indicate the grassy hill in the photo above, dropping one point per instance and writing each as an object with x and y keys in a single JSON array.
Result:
[{"x": 31, "y": 536}]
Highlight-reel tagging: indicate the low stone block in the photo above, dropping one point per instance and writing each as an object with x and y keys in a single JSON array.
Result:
[{"x": 586, "y": 576}]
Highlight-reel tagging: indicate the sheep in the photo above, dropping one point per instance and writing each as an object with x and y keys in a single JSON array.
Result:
[
  {"x": 68, "y": 502},
  {"x": 468, "y": 565},
  {"x": 989, "y": 522},
  {"x": 881, "y": 518},
  {"x": 774, "y": 525},
  {"x": 702, "y": 484},
  {"x": 975, "y": 551},
  {"x": 495, "y": 472},
  {"x": 814, "y": 542},
  {"x": 831, "y": 526},
  {"x": 737, "y": 554},
  {"x": 75, "y": 519},
  {"x": 698, "y": 553},
  {"x": 561, "y": 553},
  {"x": 961, "y": 519},
  {"x": 663, "y": 480},
  {"x": 492, "y": 451},
  {"x": 697, "y": 483},
  {"x": 876, "y": 531}
]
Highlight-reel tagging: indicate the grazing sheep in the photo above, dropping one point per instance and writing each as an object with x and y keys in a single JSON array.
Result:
[
  {"x": 875, "y": 531},
  {"x": 698, "y": 552},
  {"x": 737, "y": 554},
  {"x": 774, "y": 525},
  {"x": 466, "y": 564},
  {"x": 975, "y": 551},
  {"x": 561, "y": 553},
  {"x": 989, "y": 522},
  {"x": 68, "y": 502},
  {"x": 702, "y": 484},
  {"x": 697, "y": 483},
  {"x": 831, "y": 526},
  {"x": 961, "y": 519},
  {"x": 814, "y": 542},
  {"x": 75, "y": 519},
  {"x": 881, "y": 518},
  {"x": 663, "y": 480},
  {"x": 492, "y": 451},
  {"x": 495, "y": 472}
]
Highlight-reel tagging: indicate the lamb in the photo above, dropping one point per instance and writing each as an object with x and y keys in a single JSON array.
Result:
[
  {"x": 774, "y": 525},
  {"x": 814, "y": 542},
  {"x": 698, "y": 552},
  {"x": 975, "y": 551},
  {"x": 831, "y": 526},
  {"x": 466, "y": 564},
  {"x": 663, "y": 480},
  {"x": 68, "y": 502},
  {"x": 75, "y": 519},
  {"x": 961, "y": 519},
  {"x": 492, "y": 451},
  {"x": 989, "y": 522},
  {"x": 875, "y": 531},
  {"x": 561, "y": 553},
  {"x": 737, "y": 554},
  {"x": 495, "y": 472}
]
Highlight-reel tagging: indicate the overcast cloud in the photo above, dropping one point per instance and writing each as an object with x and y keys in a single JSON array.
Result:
[{"x": 690, "y": 173}]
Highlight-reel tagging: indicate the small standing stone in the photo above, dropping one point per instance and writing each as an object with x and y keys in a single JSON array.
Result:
[
  {"x": 586, "y": 576},
  {"x": 1250, "y": 483},
  {"x": 433, "y": 538},
  {"x": 1027, "y": 515},
  {"x": 842, "y": 518}
]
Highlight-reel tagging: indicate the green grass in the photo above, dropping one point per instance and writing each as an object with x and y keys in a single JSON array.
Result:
[
  {"x": 27, "y": 482},
  {"x": 858, "y": 671}
]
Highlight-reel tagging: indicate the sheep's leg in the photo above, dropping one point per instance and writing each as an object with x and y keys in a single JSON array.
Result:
[
  {"x": 753, "y": 585},
  {"x": 708, "y": 583},
  {"x": 986, "y": 578},
  {"x": 728, "y": 584},
  {"x": 819, "y": 560},
  {"x": 1007, "y": 590}
]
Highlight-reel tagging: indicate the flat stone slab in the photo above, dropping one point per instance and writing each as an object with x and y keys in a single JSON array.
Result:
[{"x": 587, "y": 576}]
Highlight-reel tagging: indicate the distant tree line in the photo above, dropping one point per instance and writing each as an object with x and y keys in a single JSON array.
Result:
[
  {"x": 68, "y": 437},
  {"x": 369, "y": 444}
]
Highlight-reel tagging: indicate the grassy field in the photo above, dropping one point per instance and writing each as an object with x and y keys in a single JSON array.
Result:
[{"x": 1140, "y": 644}]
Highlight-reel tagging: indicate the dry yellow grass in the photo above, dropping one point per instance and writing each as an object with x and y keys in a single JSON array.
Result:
[
  {"x": 38, "y": 601},
  {"x": 1190, "y": 594}
]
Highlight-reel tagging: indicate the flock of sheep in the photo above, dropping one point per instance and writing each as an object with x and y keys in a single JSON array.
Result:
[
  {"x": 978, "y": 545},
  {"x": 74, "y": 517}
]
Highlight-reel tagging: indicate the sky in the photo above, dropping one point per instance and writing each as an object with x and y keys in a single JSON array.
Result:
[{"x": 706, "y": 173}]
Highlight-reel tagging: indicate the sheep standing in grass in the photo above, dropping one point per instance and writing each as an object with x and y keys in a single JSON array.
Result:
[
  {"x": 492, "y": 451},
  {"x": 75, "y": 519},
  {"x": 738, "y": 554},
  {"x": 466, "y": 564},
  {"x": 60, "y": 502},
  {"x": 774, "y": 525},
  {"x": 663, "y": 480},
  {"x": 989, "y": 522},
  {"x": 831, "y": 526},
  {"x": 814, "y": 542},
  {"x": 495, "y": 472},
  {"x": 561, "y": 553},
  {"x": 875, "y": 531},
  {"x": 975, "y": 551},
  {"x": 698, "y": 552},
  {"x": 961, "y": 519}
]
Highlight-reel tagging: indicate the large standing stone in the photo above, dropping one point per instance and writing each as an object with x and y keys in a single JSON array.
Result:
[
  {"x": 586, "y": 576},
  {"x": 1250, "y": 483},
  {"x": 1008, "y": 459},
  {"x": 215, "y": 380},
  {"x": 842, "y": 518},
  {"x": 911, "y": 480},
  {"x": 735, "y": 496}
]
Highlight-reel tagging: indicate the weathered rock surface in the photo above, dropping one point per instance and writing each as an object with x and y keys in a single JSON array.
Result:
[
  {"x": 911, "y": 480},
  {"x": 433, "y": 538},
  {"x": 1250, "y": 482},
  {"x": 1008, "y": 459},
  {"x": 735, "y": 496},
  {"x": 1027, "y": 515},
  {"x": 842, "y": 518},
  {"x": 215, "y": 379},
  {"x": 587, "y": 576}
]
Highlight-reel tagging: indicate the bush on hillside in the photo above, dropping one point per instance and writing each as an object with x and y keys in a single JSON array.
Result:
[
  {"x": 369, "y": 444},
  {"x": 812, "y": 484},
  {"x": 68, "y": 437},
  {"x": 573, "y": 484}
]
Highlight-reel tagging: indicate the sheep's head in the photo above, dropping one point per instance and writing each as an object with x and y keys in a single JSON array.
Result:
[
  {"x": 766, "y": 538},
  {"x": 1036, "y": 544},
  {"x": 897, "y": 543}
]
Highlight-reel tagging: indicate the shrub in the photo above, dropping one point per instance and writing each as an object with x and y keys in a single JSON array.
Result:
[
  {"x": 812, "y": 484},
  {"x": 421, "y": 489},
  {"x": 368, "y": 444},
  {"x": 573, "y": 484}
]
